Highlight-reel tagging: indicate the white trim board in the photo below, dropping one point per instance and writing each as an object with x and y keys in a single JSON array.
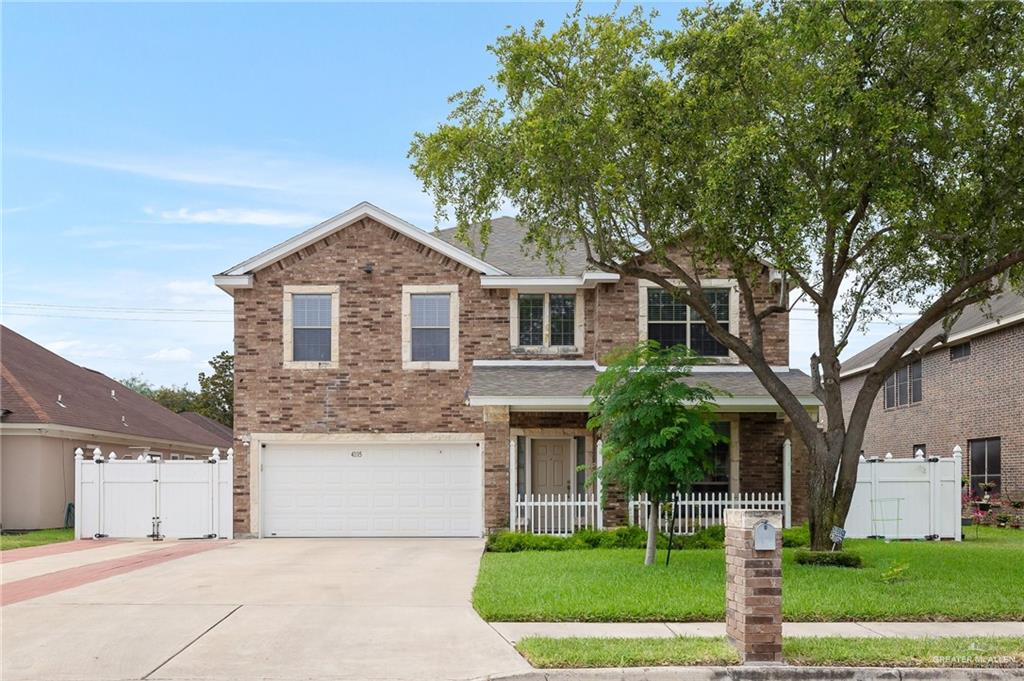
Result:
[
  {"x": 581, "y": 403},
  {"x": 954, "y": 339},
  {"x": 341, "y": 221}
]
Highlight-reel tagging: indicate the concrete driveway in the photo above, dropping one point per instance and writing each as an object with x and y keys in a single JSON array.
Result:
[{"x": 266, "y": 609}]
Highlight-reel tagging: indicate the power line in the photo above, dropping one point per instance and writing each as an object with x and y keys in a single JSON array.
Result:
[
  {"x": 98, "y": 308},
  {"x": 119, "y": 319}
]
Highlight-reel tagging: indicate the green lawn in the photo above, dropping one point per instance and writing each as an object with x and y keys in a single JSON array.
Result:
[
  {"x": 841, "y": 652},
  {"x": 978, "y": 579},
  {"x": 35, "y": 538}
]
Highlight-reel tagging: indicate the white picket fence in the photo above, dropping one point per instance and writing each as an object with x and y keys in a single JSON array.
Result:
[
  {"x": 560, "y": 514},
  {"x": 132, "y": 498},
  {"x": 702, "y": 509},
  {"x": 915, "y": 498}
]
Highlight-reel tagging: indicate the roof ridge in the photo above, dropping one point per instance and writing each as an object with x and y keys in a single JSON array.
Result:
[{"x": 36, "y": 408}]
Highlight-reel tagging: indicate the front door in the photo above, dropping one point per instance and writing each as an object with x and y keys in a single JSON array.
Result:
[{"x": 551, "y": 473}]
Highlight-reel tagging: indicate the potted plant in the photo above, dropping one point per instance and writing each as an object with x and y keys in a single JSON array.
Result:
[
  {"x": 986, "y": 496},
  {"x": 1003, "y": 519}
]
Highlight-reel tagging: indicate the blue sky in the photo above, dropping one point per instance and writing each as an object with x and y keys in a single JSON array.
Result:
[{"x": 146, "y": 147}]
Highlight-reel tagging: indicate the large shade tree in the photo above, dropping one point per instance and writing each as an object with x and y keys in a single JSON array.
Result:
[{"x": 870, "y": 152}]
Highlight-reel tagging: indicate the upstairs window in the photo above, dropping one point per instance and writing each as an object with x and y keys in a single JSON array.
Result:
[
  {"x": 960, "y": 351},
  {"x": 671, "y": 322},
  {"x": 311, "y": 327},
  {"x": 546, "y": 321},
  {"x": 903, "y": 387},
  {"x": 430, "y": 326}
]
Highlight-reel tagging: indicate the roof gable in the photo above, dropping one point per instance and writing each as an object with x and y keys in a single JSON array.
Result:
[{"x": 240, "y": 274}]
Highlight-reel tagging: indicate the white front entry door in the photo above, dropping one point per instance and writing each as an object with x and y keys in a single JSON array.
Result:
[
  {"x": 551, "y": 472},
  {"x": 395, "y": 489}
]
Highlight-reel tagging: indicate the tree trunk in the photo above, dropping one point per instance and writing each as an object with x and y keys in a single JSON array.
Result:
[
  {"x": 652, "y": 533},
  {"x": 828, "y": 496}
]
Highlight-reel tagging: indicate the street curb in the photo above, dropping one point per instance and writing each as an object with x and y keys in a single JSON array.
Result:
[{"x": 766, "y": 673}]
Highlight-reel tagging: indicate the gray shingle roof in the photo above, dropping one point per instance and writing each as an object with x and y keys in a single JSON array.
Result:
[
  {"x": 505, "y": 250},
  {"x": 571, "y": 381},
  {"x": 973, "y": 318}
]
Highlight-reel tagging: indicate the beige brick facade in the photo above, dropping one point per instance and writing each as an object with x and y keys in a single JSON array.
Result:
[
  {"x": 366, "y": 389},
  {"x": 974, "y": 397}
]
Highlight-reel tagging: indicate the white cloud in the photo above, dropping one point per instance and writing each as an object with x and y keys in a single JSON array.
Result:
[
  {"x": 171, "y": 355},
  {"x": 62, "y": 346},
  {"x": 261, "y": 217},
  {"x": 315, "y": 184},
  {"x": 148, "y": 245}
]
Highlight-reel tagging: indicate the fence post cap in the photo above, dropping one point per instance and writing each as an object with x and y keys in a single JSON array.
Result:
[
  {"x": 215, "y": 452},
  {"x": 113, "y": 455},
  {"x": 861, "y": 458},
  {"x": 78, "y": 454},
  {"x": 888, "y": 455},
  {"x": 231, "y": 452},
  {"x": 97, "y": 455},
  {"x": 919, "y": 454},
  {"x": 215, "y": 457},
  {"x": 957, "y": 451},
  {"x": 142, "y": 457}
]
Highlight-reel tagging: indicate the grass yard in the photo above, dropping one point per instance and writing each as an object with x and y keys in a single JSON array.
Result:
[
  {"x": 978, "y": 579},
  {"x": 841, "y": 652},
  {"x": 35, "y": 538}
]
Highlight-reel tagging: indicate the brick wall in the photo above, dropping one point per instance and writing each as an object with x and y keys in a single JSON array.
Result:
[{"x": 979, "y": 396}]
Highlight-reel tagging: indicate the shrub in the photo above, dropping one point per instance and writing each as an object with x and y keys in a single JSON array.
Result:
[
  {"x": 629, "y": 537},
  {"x": 795, "y": 537},
  {"x": 513, "y": 542},
  {"x": 829, "y": 558}
]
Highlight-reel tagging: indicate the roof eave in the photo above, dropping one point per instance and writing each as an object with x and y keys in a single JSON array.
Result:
[{"x": 582, "y": 403}]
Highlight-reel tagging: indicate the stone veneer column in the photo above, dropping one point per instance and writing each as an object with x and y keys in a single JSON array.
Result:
[
  {"x": 753, "y": 587},
  {"x": 496, "y": 473}
]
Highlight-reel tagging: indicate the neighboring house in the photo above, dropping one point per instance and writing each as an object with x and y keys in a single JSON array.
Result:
[
  {"x": 968, "y": 391},
  {"x": 50, "y": 407},
  {"x": 389, "y": 381},
  {"x": 224, "y": 433}
]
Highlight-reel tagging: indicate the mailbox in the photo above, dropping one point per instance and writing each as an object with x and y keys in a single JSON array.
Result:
[{"x": 764, "y": 536}]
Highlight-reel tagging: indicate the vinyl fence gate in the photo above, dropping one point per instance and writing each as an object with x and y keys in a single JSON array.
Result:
[{"x": 133, "y": 498}]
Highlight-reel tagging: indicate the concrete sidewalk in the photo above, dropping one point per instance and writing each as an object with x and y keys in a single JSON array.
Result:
[{"x": 513, "y": 631}]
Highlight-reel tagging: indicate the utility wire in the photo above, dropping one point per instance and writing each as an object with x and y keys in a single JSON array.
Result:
[
  {"x": 119, "y": 319},
  {"x": 116, "y": 309}
]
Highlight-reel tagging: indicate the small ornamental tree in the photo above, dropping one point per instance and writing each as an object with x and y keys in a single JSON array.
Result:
[{"x": 656, "y": 428}]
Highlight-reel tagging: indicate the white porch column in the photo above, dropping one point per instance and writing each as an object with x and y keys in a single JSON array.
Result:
[
  {"x": 513, "y": 483},
  {"x": 599, "y": 461},
  {"x": 787, "y": 480}
]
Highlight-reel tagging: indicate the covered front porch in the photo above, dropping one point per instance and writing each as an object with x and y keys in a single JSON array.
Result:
[{"x": 552, "y": 457}]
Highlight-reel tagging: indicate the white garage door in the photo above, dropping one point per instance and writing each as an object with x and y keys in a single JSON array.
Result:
[{"x": 372, "y": 490}]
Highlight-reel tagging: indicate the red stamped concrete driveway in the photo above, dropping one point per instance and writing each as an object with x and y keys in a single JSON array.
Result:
[{"x": 267, "y": 609}]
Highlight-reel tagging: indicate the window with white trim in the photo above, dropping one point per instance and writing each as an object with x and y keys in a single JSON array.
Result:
[
  {"x": 672, "y": 322},
  {"x": 546, "y": 322},
  {"x": 430, "y": 326},
  {"x": 310, "y": 326}
]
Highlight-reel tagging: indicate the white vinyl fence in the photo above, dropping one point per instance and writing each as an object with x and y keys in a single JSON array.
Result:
[
  {"x": 144, "y": 497},
  {"x": 560, "y": 514},
  {"x": 698, "y": 510},
  {"x": 915, "y": 498}
]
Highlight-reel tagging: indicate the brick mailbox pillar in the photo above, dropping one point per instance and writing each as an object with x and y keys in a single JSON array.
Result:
[{"x": 753, "y": 585}]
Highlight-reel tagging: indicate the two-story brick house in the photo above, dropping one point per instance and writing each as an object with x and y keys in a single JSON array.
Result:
[
  {"x": 968, "y": 391},
  {"x": 390, "y": 382}
]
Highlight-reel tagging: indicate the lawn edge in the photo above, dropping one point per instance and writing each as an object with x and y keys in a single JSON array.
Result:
[{"x": 783, "y": 672}]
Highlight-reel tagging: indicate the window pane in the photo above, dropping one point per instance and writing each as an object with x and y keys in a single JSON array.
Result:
[
  {"x": 890, "y": 391},
  {"x": 430, "y": 310},
  {"x": 311, "y": 310},
  {"x": 718, "y": 298},
  {"x": 667, "y": 334},
  {"x": 581, "y": 460},
  {"x": 902, "y": 385},
  {"x": 563, "y": 319},
  {"x": 430, "y": 345},
  {"x": 977, "y": 448},
  {"x": 915, "y": 381},
  {"x": 994, "y": 456},
  {"x": 702, "y": 342},
  {"x": 311, "y": 345},
  {"x": 662, "y": 307},
  {"x": 531, "y": 319},
  {"x": 960, "y": 351},
  {"x": 718, "y": 479},
  {"x": 520, "y": 465}
]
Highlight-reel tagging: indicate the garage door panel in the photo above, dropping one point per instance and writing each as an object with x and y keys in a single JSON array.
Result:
[{"x": 394, "y": 489}]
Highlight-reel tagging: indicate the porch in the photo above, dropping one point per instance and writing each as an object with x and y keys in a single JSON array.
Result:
[{"x": 540, "y": 458}]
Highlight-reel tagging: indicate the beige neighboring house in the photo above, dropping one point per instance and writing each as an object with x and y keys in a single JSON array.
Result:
[{"x": 50, "y": 406}]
